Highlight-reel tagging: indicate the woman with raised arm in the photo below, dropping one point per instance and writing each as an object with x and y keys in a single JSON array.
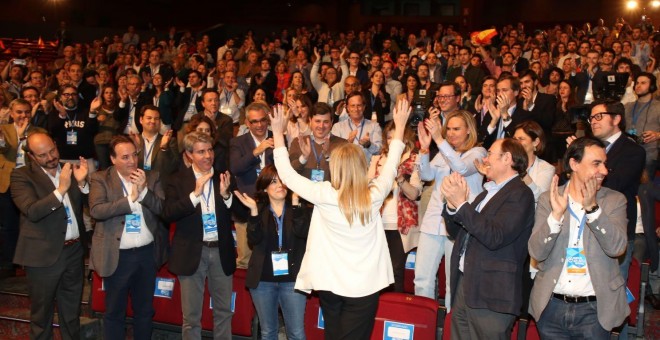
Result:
[{"x": 347, "y": 261}]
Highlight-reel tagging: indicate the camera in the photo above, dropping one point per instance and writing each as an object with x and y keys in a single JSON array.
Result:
[{"x": 417, "y": 115}]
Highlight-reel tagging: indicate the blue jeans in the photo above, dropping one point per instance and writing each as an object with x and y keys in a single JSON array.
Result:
[
  {"x": 626, "y": 259},
  {"x": 267, "y": 297},
  {"x": 564, "y": 320},
  {"x": 430, "y": 250}
]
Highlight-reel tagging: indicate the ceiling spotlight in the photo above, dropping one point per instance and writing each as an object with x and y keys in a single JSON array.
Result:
[
  {"x": 632, "y": 4},
  {"x": 655, "y": 3}
]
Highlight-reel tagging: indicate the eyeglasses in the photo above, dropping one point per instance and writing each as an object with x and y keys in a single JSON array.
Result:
[
  {"x": 69, "y": 94},
  {"x": 599, "y": 116},
  {"x": 443, "y": 97}
]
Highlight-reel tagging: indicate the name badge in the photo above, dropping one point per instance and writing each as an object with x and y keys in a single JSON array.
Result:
[
  {"x": 72, "y": 138},
  {"x": 374, "y": 116},
  {"x": 225, "y": 109},
  {"x": 280, "y": 263},
  {"x": 147, "y": 167},
  {"x": 633, "y": 131},
  {"x": 132, "y": 224},
  {"x": 576, "y": 261},
  {"x": 258, "y": 171},
  {"x": 210, "y": 225},
  {"x": 317, "y": 175},
  {"x": 68, "y": 215},
  {"x": 164, "y": 287},
  {"x": 422, "y": 92}
]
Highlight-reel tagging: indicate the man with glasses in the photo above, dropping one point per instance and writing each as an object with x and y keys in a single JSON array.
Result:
[
  {"x": 392, "y": 86},
  {"x": 248, "y": 154},
  {"x": 503, "y": 112},
  {"x": 472, "y": 74},
  {"x": 355, "y": 69}
]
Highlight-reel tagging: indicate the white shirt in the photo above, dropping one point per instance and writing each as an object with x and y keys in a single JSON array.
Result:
[
  {"x": 144, "y": 237},
  {"x": 574, "y": 285},
  {"x": 228, "y": 104},
  {"x": 207, "y": 200},
  {"x": 148, "y": 149},
  {"x": 72, "y": 232},
  {"x": 343, "y": 129}
]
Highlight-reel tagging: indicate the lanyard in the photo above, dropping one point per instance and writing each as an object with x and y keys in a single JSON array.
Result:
[
  {"x": 373, "y": 101},
  {"x": 207, "y": 197},
  {"x": 123, "y": 187},
  {"x": 361, "y": 128},
  {"x": 317, "y": 156},
  {"x": 148, "y": 154},
  {"x": 583, "y": 222},
  {"x": 71, "y": 120},
  {"x": 227, "y": 97},
  {"x": 637, "y": 113},
  {"x": 280, "y": 224}
]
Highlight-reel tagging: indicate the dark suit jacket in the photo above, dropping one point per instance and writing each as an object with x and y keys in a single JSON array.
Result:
[
  {"x": 182, "y": 103},
  {"x": 87, "y": 93},
  {"x": 243, "y": 165},
  {"x": 519, "y": 116},
  {"x": 122, "y": 113},
  {"x": 108, "y": 207},
  {"x": 163, "y": 162},
  {"x": 581, "y": 80},
  {"x": 43, "y": 218},
  {"x": 166, "y": 105},
  {"x": 186, "y": 248},
  {"x": 165, "y": 70},
  {"x": 497, "y": 248},
  {"x": 625, "y": 163},
  {"x": 260, "y": 231},
  {"x": 473, "y": 75},
  {"x": 545, "y": 106},
  {"x": 377, "y": 106}
]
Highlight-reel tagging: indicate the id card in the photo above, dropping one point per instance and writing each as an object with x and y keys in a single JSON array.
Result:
[
  {"x": 258, "y": 171},
  {"x": 317, "y": 175},
  {"x": 210, "y": 225},
  {"x": 132, "y": 223},
  {"x": 280, "y": 263},
  {"x": 225, "y": 109},
  {"x": 68, "y": 215},
  {"x": 576, "y": 261},
  {"x": 164, "y": 287},
  {"x": 72, "y": 137},
  {"x": 146, "y": 167},
  {"x": 374, "y": 116}
]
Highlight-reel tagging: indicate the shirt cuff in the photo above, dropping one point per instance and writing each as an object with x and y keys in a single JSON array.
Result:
[
  {"x": 594, "y": 216},
  {"x": 507, "y": 123},
  {"x": 122, "y": 105},
  {"x": 142, "y": 194},
  {"x": 490, "y": 129},
  {"x": 194, "y": 199},
  {"x": 453, "y": 212},
  {"x": 135, "y": 206},
  {"x": 58, "y": 195},
  {"x": 229, "y": 200},
  {"x": 302, "y": 159},
  {"x": 555, "y": 226}
]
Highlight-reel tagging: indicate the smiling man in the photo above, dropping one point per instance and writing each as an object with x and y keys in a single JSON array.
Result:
[{"x": 580, "y": 231}]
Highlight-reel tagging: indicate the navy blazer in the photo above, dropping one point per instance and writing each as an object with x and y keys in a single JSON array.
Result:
[
  {"x": 182, "y": 103},
  {"x": 519, "y": 116},
  {"x": 243, "y": 165},
  {"x": 497, "y": 248},
  {"x": 186, "y": 247}
]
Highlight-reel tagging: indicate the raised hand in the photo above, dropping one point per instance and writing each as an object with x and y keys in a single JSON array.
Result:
[
  {"x": 23, "y": 127},
  {"x": 455, "y": 190},
  {"x": 65, "y": 179},
  {"x": 139, "y": 179},
  {"x": 316, "y": 54},
  {"x": 477, "y": 104},
  {"x": 137, "y": 140},
  {"x": 96, "y": 104},
  {"x": 225, "y": 181},
  {"x": 247, "y": 201},
  {"x": 201, "y": 182},
  {"x": 166, "y": 139},
  {"x": 558, "y": 202},
  {"x": 365, "y": 140},
  {"x": 179, "y": 83},
  {"x": 61, "y": 110},
  {"x": 588, "y": 191},
  {"x": 570, "y": 140},
  {"x": 81, "y": 170},
  {"x": 424, "y": 137},
  {"x": 434, "y": 129},
  {"x": 278, "y": 120},
  {"x": 305, "y": 146},
  {"x": 481, "y": 167}
]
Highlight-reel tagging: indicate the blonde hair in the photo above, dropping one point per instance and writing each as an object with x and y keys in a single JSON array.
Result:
[
  {"x": 348, "y": 169},
  {"x": 471, "y": 125}
]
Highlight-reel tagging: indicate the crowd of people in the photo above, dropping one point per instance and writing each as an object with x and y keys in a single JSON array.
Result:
[{"x": 527, "y": 162}]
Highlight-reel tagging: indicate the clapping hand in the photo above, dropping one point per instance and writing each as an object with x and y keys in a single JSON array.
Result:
[
  {"x": 558, "y": 202},
  {"x": 454, "y": 188},
  {"x": 247, "y": 201}
]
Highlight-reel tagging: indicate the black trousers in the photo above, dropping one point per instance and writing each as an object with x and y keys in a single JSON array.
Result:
[
  {"x": 8, "y": 229},
  {"x": 348, "y": 318},
  {"x": 63, "y": 281}
]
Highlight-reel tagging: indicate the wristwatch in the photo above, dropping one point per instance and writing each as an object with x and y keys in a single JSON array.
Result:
[{"x": 593, "y": 209}]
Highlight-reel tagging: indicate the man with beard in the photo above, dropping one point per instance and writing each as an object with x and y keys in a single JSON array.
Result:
[{"x": 52, "y": 239}]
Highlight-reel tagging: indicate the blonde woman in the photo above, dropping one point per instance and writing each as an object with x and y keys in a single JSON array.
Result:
[{"x": 347, "y": 261}]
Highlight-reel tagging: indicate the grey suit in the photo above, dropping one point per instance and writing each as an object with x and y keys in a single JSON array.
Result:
[
  {"x": 604, "y": 240},
  {"x": 109, "y": 207}
]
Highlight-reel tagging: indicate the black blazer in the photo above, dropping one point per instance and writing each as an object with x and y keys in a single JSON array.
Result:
[
  {"x": 377, "y": 106},
  {"x": 121, "y": 114},
  {"x": 243, "y": 165},
  {"x": 497, "y": 248},
  {"x": 182, "y": 103},
  {"x": 186, "y": 248},
  {"x": 545, "y": 106},
  {"x": 625, "y": 163},
  {"x": 260, "y": 230},
  {"x": 519, "y": 116}
]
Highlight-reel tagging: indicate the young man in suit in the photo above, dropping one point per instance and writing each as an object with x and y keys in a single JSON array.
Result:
[
  {"x": 198, "y": 201},
  {"x": 490, "y": 247},
  {"x": 52, "y": 238},
  {"x": 156, "y": 152},
  {"x": 580, "y": 231},
  {"x": 130, "y": 241},
  {"x": 249, "y": 154}
]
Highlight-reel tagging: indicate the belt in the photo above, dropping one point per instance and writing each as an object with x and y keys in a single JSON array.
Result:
[
  {"x": 210, "y": 244},
  {"x": 71, "y": 242},
  {"x": 574, "y": 299}
]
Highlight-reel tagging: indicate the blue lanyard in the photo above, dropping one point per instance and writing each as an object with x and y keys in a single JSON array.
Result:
[
  {"x": 70, "y": 120},
  {"x": 317, "y": 156},
  {"x": 583, "y": 222},
  {"x": 123, "y": 187},
  {"x": 280, "y": 224},
  {"x": 227, "y": 97},
  {"x": 361, "y": 128},
  {"x": 148, "y": 154},
  {"x": 207, "y": 197},
  {"x": 373, "y": 101},
  {"x": 636, "y": 113}
]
